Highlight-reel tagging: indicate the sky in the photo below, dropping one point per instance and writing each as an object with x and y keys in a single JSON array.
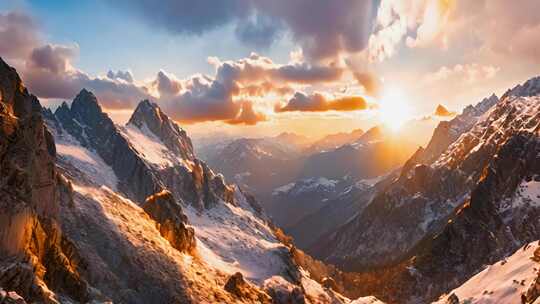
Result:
[{"x": 255, "y": 68}]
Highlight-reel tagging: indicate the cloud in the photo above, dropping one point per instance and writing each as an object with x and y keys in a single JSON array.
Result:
[
  {"x": 442, "y": 111},
  {"x": 317, "y": 102},
  {"x": 369, "y": 82},
  {"x": 247, "y": 116},
  {"x": 185, "y": 16},
  {"x": 259, "y": 31},
  {"x": 53, "y": 58},
  {"x": 514, "y": 34},
  {"x": 229, "y": 95},
  {"x": 204, "y": 99},
  {"x": 167, "y": 85},
  {"x": 18, "y": 33},
  {"x": 472, "y": 73},
  {"x": 123, "y": 75},
  {"x": 420, "y": 23},
  {"x": 49, "y": 74},
  {"x": 322, "y": 28},
  {"x": 258, "y": 70}
]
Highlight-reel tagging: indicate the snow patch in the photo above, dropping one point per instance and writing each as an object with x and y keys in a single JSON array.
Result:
[
  {"x": 150, "y": 147},
  {"x": 86, "y": 160},
  {"x": 232, "y": 238},
  {"x": 500, "y": 282}
]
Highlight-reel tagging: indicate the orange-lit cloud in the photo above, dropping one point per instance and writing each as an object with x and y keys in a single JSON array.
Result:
[
  {"x": 319, "y": 103},
  {"x": 369, "y": 82}
]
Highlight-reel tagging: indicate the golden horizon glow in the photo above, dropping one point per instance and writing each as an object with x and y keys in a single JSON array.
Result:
[{"x": 394, "y": 109}]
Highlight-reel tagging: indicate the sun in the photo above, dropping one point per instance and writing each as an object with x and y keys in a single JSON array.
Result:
[{"x": 394, "y": 109}]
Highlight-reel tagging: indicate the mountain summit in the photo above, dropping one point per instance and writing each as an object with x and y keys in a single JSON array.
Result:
[{"x": 148, "y": 116}]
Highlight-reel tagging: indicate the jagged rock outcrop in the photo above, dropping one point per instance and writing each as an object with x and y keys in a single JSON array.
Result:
[
  {"x": 453, "y": 299},
  {"x": 10, "y": 297},
  {"x": 141, "y": 171},
  {"x": 171, "y": 220},
  {"x": 36, "y": 259},
  {"x": 237, "y": 286}
]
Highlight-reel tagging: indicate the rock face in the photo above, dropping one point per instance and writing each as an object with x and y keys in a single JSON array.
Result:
[
  {"x": 171, "y": 220},
  {"x": 533, "y": 293},
  {"x": 237, "y": 286},
  {"x": 35, "y": 257}
]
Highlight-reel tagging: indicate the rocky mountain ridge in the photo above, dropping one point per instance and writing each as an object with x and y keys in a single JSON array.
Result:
[
  {"x": 422, "y": 231},
  {"x": 128, "y": 214}
]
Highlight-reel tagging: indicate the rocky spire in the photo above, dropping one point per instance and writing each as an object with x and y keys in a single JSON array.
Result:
[{"x": 148, "y": 115}]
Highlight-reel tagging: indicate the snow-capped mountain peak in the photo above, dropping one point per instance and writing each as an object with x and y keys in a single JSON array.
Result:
[{"x": 148, "y": 116}]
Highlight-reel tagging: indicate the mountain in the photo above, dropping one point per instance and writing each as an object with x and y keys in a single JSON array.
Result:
[
  {"x": 422, "y": 232},
  {"x": 333, "y": 141},
  {"x": 96, "y": 212},
  {"x": 35, "y": 254},
  {"x": 335, "y": 209},
  {"x": 257, "y": 164},
  {"x": 376, "y": 152},
  {"x": 504, "y": 281},
  {"x": 294, "y": 183}
]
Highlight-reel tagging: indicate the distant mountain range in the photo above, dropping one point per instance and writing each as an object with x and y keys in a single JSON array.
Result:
[{"x": 264, "y": 165}]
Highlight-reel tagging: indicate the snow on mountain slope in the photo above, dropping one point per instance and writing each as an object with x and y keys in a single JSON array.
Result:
[
  {"x": 512, "y": 114},
  {"x": 502, "y": 282},
  {"x": 127, "y": 253},
  {"x": 149, "y": 146},
  {"x": 239, "y": 240},
  {"x": 70, "y": 150},
  {"x": 320, "y": 184}
]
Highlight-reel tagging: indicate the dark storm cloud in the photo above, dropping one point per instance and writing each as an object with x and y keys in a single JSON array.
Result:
[
  {"x": 319, "y": 103},
  {"x": 323, "y": 28}
]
